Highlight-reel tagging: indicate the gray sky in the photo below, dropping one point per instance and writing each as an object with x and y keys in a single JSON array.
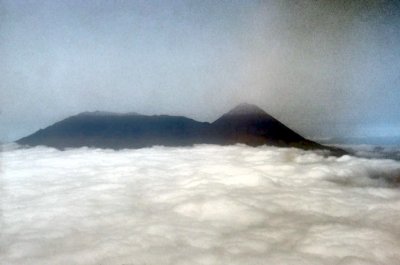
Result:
[{"x": 324, "y": 68}]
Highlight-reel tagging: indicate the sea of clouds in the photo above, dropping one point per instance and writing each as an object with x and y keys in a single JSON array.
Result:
[
  {"x": 197, "y": 205},
  {"x": 373, "y": 151}
]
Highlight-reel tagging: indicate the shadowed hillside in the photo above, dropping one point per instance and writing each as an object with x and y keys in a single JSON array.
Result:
[{"x": 245, "y": 123}]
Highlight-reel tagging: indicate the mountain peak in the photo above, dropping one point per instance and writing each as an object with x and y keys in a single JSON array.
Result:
[{"x": 246, "y": 109}]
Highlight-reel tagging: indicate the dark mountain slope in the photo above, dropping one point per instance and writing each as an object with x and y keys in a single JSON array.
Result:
[
  {"x": 246, "y": 124},
  {"x": 119, "y": 131},
  {"x": 251, "y": 125}
]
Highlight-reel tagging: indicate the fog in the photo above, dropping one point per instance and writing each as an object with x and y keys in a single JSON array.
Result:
[
  {"x": 197, "y": 205},
  {"x": 324, "y": 68}
]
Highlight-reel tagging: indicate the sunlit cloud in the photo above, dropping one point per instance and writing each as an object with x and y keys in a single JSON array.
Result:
[{"x": 197, "y": 205}]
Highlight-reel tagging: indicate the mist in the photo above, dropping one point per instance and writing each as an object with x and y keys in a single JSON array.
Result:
[
  {"x": 205, "y": 204},
  {"x": 324, "y": 68}
]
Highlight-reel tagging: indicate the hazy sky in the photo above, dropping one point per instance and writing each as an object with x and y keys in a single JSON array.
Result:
[{"x": 324, "y": 68}]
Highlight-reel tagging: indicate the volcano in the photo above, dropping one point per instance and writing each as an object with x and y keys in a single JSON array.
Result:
[
  {"x": 246, "y": 124},
  {"x": 251, "y": 125}
]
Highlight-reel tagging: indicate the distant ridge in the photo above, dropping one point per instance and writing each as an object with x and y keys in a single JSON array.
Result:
[
  {"x": 106, "y": 113},
  {"x": 246, "y": 123}
]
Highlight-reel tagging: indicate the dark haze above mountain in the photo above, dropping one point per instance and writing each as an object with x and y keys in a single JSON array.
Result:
[{"x": 247, "y": 124}]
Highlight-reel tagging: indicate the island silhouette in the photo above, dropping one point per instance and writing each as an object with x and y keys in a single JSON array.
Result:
[{"x": 246, "y": 123}]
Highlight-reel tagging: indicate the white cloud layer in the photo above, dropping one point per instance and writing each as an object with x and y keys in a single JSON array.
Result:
[
  {"x": 373, "y": 151},
  {"x": 200, "y": 205}
]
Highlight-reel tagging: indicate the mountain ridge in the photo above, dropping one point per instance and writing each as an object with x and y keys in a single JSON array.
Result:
[{"x": 246, "y": 123}]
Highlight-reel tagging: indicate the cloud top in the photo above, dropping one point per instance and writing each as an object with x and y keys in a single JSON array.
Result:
[{"x": 197, "y": 205}]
